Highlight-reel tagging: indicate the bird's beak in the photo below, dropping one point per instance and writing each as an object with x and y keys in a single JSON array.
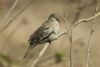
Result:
[{"x": 60, "y": 19}]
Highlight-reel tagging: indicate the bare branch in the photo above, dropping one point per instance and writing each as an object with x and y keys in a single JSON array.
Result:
[
  {"x": 90, "y": 37},
  {"x": 11, "y": 21},
  {"x": 69, "y": 30},
  {"x": 61, "y": 35},
  {"x": 34, "y": 63},
  {"x": 70, "y": 37},
  {"x": 10, "y": 11},
  {"x": 85, "y": 20}
]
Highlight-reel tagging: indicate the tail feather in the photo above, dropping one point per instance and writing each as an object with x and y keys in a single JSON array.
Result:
[
  {"x": 28, "y": 50},
  {"x": 27, "y": 53}
]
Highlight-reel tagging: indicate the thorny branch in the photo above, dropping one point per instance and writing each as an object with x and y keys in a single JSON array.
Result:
[{"x": 90, "y": 37}]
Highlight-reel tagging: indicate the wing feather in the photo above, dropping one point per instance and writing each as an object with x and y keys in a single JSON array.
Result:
[{"x": 41, "y": 34}]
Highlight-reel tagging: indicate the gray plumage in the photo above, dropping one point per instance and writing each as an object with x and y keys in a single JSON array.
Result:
[{"x": 47, "y": 32}]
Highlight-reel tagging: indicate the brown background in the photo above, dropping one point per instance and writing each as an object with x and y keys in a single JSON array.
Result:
[{"x": 13, "y": 40}]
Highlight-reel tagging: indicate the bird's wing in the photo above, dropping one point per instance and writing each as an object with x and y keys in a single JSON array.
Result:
[{"x": 42, "y": 33}]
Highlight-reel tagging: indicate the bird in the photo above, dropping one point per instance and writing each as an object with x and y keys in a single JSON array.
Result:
[{"x": 46, "y": 33}]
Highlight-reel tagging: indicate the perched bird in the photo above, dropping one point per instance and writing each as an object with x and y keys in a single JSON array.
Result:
[{"x": 47, "y": 32}]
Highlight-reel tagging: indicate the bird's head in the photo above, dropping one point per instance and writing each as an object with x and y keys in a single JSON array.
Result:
[{"x": 56, "y": 17}]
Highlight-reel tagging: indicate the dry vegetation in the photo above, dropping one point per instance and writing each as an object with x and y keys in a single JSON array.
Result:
[{"x": 78, "y": 48}]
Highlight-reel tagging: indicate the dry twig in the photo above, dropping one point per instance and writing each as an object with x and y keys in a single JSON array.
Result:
[
  {"x": 85, "y": 20},
  {"x": 68, "y": 28},
  {"x": 79, "y": 22},
  {"x": 70, "y": 37},
  {"x": 90, "y": 37},
  {"x": 34, "y": 63},
  {"x": 11, "y": 21},
  {"x": 10, "y": 11}
]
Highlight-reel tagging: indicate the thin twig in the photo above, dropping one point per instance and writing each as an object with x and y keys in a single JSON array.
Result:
[
  {"x": 11, "y": 21},
  {"x": 61, "y": 34},
  {"x": 34, "y": 63},
  {"x": 74, "y": 26},
  {"x": 81, "y": 21},
  {"x": 77, "y": 15},
  {"x": 69, "y": 31},
  {"x": 85, "y": 20},
  {"x": 70, "y": 37},
  {"x": 10, "y": 11},
  {"x": 71, "y": 56},
  {"x": 78, "y": 12},
  {"x": 90, "y": 38}
]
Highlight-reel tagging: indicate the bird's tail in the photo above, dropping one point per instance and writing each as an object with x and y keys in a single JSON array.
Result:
[{"x": 28, "y": 51}]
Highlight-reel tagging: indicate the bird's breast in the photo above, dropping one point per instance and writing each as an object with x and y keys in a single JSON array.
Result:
[{"x": 55, "y": 26}]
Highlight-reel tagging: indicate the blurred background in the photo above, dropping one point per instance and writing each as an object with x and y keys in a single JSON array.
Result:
[{"x": 20, "y": 18}]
